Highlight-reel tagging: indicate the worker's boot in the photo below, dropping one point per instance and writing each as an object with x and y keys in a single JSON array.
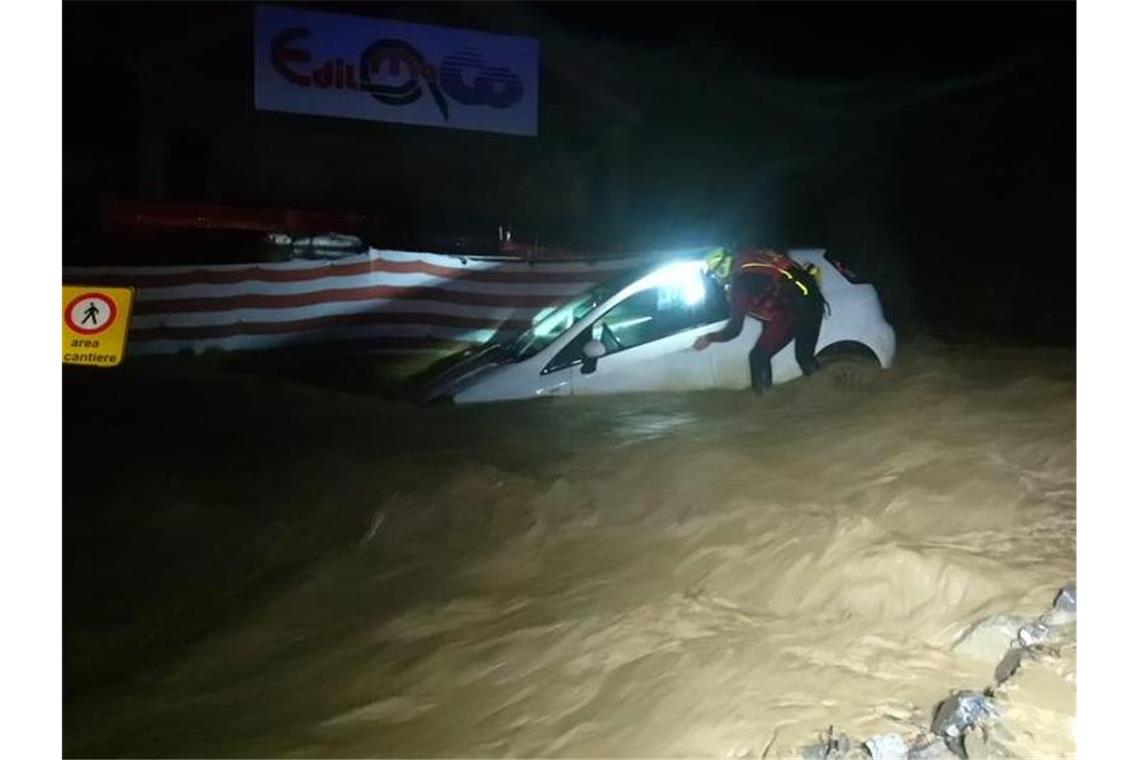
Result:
[{"x": 810, "y": 366}]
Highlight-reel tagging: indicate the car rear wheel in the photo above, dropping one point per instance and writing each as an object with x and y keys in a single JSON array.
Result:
[{"x": 850, "y": 365}]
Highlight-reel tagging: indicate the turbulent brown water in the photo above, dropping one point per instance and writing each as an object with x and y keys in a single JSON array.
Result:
[{"x": 705, "y": 574}]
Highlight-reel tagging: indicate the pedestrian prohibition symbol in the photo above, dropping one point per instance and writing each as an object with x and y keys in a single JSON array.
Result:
[{"x": 95, "y": 324}]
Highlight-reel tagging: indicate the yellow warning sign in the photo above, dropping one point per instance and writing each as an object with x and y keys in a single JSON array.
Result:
[{"x": 95, "y": 323}]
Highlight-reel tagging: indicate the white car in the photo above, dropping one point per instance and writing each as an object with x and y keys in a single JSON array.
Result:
[{"x": 635, "y": 333}]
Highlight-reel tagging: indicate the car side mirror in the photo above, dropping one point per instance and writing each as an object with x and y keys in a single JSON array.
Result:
[{"x": 592, "y": 351}]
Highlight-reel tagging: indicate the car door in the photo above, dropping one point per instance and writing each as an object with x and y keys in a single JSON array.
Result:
[
  {"x": 648, "y": 338},
  {"x": 730, "y": 359}
]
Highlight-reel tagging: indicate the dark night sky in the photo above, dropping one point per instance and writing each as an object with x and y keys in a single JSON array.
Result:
[{"x": 934, "y": 145}]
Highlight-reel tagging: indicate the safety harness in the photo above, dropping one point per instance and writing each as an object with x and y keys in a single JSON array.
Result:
[{"x": 812, "y": 270}]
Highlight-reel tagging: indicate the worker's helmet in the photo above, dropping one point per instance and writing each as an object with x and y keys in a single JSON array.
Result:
[{"x": 718, "y": 263}]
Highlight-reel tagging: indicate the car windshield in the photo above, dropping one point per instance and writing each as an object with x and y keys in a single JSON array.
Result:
[{"x": 557, "y": 321}]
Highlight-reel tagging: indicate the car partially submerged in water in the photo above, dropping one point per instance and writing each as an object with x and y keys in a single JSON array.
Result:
[{"x": 635, "y": 333}]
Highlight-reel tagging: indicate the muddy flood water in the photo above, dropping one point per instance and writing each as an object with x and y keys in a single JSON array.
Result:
[{"x": 259, "y": 568}]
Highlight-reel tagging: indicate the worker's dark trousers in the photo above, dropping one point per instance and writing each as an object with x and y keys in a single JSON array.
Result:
[
  {"x": 809, "y": 318},
  {"x": 801, "y": 322},
  {"x": 761, "y": 365}
]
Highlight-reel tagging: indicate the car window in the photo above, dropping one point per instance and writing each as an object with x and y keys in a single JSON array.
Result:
[
  {"x": 647, "y": 316},
  {"x": 659, "y": 312},
  {"x": 554, "y": 321},
  {"x": 546, "y": 330}
]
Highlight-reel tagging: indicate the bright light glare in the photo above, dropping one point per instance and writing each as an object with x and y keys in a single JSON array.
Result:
[
  {"x": 693, "y": 293},
  {"x": 627, "y": 323},
  {"x": 685, "y": 276}
]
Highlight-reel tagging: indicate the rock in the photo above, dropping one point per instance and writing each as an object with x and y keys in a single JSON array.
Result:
[
  {"x": 1066, "y": 600},
  {"x": 1033, "y": 634},
  {"x": 1044, "y": 636},
  {"x": 1008, "y": 665},
  {"x": 886, "y": 747},
  {"x": 955, "y": 716}
]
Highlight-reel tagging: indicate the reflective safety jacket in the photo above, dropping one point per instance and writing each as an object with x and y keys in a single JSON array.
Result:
[{"x": 783, "y": 280}]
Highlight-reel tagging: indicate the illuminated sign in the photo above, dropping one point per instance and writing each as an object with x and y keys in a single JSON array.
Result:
[{"x": 363, "y": 68}]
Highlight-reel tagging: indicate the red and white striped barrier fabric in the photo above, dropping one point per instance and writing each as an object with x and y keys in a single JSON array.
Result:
[{"x": 375, "y": 301}]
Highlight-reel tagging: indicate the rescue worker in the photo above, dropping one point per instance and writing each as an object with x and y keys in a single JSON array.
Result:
[{"x": 775, "y": 289}]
